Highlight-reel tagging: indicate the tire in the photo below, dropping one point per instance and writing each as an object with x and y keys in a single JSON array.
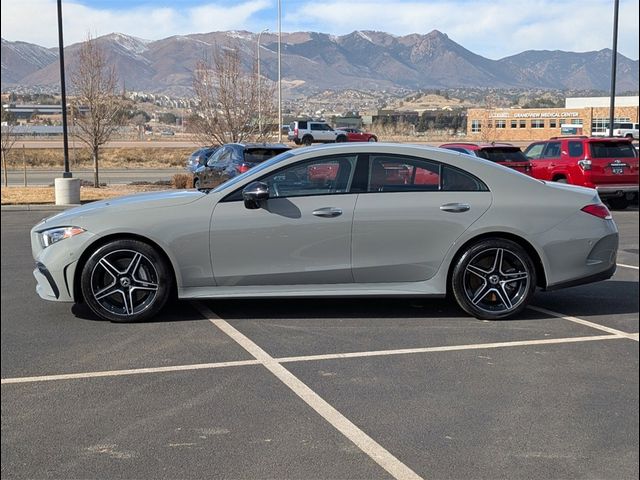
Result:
[
  {"x": 618, "y": 203},
  {"x": 196, "y": 184},
  {"x": 372, "y": 139},
  {"x": 126, "y": 281},
  {"x": 560, "y": 180},
  {"x": 307, "y": 140},
  {"x": 341, "y": 139},
  {"x": 493, "y": 279}
]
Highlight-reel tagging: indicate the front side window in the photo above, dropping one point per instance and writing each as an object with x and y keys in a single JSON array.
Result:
[
  {"x": 552, "y": 150},
  {"x": 320, "y": 176}
]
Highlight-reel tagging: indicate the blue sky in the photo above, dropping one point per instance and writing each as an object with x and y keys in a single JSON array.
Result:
[{"x": 494, "y": 29}]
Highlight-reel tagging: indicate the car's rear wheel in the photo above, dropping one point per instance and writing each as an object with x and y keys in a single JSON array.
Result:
[
  {"x": 126, "y": 281},
  {"x": 307, "y": 140},
  {"x": 618, "y": 203},
  {"x": 196, "y": 184},
  {"x": 341, "y": 138},
  {"x": 373, "y": 139},
  {"x": 493, "y": 279}
]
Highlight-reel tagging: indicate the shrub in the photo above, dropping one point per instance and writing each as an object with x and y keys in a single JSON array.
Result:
[{"x": 182, "y": 180}]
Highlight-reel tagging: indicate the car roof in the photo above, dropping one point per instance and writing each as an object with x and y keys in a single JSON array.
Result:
[
  {"x": 476, "y": 146},
  {"x": 259, "y": 145}
]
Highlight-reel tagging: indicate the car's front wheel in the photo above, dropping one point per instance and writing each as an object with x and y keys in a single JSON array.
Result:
[
  {"x": 126, "y": 281},
  {"x": 493, "y": 279}
]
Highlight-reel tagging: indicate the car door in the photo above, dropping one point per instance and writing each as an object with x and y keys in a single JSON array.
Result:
[
  {"x": 213, "y": 173},
  {"x": 412, "y": 213},
  {"x": 539, "y": 165},
  {"x": 300, "y": 235},
  {"x": 322, "y": 132}
]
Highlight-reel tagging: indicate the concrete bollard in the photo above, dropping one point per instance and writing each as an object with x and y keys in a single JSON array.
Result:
[{"x": 67, "y": 191}]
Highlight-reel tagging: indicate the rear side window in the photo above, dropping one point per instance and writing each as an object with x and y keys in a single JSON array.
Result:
[
  {"x": 454, "y": 180},
  {"x": 501, "y": 155},
  {"x": 612, "y": 150},
  {"x": 408, "y": 174},
  {"x": 576, "y": 149},
  {"x": 302, "y": 125}
]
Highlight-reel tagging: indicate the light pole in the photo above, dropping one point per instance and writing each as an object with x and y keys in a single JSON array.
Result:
[
  {"x": 614, "y": 55},
  {"x": 260, "y": 85},
  {"x": 280, "y": 71}
]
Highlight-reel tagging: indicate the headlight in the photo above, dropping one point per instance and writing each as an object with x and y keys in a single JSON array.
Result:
[{"x": 49, "y": 237}]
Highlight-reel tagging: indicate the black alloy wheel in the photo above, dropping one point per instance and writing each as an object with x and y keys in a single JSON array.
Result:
[
  {"x": 126, "y": 281},
  {"x": 494, "y": 279}
]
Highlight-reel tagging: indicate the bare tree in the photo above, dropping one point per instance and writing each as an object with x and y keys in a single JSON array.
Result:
[
  {"x": 8, "y": 140},
  {"x": 231, "y": 100},
  {"x": 98, "y": 108}
]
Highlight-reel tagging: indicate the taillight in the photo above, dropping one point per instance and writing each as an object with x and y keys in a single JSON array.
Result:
[
  {"x": 243, "y": 167},
  {"x": 295, "y": 132},
  {"x": 585, "y": 164},
  {"x": 597, "y": 210}
]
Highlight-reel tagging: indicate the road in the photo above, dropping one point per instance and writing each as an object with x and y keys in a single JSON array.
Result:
[{"x": 107, "y": 176}]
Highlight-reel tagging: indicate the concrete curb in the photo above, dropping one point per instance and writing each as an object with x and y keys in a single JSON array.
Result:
[{"x": 36, "y": 208}]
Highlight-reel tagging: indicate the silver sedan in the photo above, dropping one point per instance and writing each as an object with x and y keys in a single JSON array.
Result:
[{"x": 337, "y": 220}]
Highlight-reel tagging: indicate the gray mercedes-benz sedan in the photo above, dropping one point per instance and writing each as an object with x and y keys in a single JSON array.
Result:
[{"x": 337, "y": 220}]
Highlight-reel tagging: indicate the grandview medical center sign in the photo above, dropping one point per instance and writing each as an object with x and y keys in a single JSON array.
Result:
[{"x": 534, "y": 115}]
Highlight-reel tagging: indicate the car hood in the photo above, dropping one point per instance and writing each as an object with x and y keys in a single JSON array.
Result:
[{"x": 128, "y": 203}]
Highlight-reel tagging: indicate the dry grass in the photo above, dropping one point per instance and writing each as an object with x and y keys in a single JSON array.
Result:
[
  {"x": 46, "y": 195},
  {"x": 109, "y": 157}
]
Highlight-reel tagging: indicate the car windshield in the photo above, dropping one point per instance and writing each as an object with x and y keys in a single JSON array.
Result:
[
  {"x": 259, "y": 168},
  {"x": 612, "y": 149},
  {"x": 257, "y": 155},
  {"x": 502, "y": 154}
]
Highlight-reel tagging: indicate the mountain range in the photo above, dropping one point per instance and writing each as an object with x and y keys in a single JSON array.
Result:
[{"x": 313, "y": 62}]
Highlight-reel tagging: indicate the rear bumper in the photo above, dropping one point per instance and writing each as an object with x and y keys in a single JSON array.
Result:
[{"x": 616, "y": 190}]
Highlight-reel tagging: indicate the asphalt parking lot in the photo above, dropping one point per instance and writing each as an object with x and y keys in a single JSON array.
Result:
[{"x": 321, "y": 389}]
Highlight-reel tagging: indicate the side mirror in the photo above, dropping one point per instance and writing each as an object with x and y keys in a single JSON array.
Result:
[{"x": 255, "y": 193}]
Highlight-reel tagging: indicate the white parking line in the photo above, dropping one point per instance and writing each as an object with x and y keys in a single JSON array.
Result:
[
  {"x": 363, "y": 441},
  {"x": 134, "y": 371},
  {"x": 631, "y": 336},
  {"x": 627, "y": 266},
  {"x": 311, "y": 358}
]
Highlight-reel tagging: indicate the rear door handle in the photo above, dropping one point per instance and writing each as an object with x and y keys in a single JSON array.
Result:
[
  {"x": 455, "y": 207},
  {"x": 327, "y": 212}
]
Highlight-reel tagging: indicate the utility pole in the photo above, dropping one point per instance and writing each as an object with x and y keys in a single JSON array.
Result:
[{"x": 614, "y": 55}]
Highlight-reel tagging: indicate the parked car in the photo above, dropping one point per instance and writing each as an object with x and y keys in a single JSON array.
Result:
[
  {"x": 233, "y": 159},
  {"x": 487, "y": 235},
  {"x": 357, "y": 135},
  {"x": 623, "y": 129},
  {"x": 504, "y": 153},
  {"x": 610, "y": 165},
  {"x": 199, "y": 157},
  {"x": 306, "y": 132}
]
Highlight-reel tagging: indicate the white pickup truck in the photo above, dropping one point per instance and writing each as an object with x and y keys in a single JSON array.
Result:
[{"x": 626, "y": 130}]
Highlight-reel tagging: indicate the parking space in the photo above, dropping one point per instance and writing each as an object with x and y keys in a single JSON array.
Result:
[{"x": 359, "y": 388}]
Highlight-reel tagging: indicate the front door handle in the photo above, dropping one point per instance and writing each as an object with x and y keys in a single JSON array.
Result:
[
  {"x": 455, "y": 207},
  {"x": 327, "y": 212}
]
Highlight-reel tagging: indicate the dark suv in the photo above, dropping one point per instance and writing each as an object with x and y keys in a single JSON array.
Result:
[
  {"x": 610, "y": 165},
  {"x": 233, "y": 159},
  {"x": 504, "y": 153}
]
